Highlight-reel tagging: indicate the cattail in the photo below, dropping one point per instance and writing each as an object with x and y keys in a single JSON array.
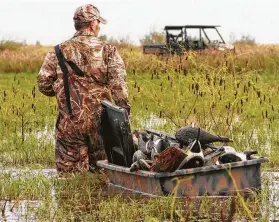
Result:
[
  {"x": 160, "y": 114},
  {"x": 135, "y": 85},
  {"x": 259, "y": 94},
  {"x": 197, "y": 87},
  {"x": 272, "y": 107},
  {"x": 185, "y": 71},
  {"x": 138, "y": 89},
  {"x": 33, "y": 93},
  {"x": 264, "y": 97},
  {"x": 266, "y": 114},
  {"x": 134, "y": 71}
]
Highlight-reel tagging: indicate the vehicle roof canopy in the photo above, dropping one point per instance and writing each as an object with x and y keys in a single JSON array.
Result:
[{"x": 177, "y": 27}]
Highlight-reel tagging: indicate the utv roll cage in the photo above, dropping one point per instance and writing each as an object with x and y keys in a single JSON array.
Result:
[{"x": 179, "y": 40}]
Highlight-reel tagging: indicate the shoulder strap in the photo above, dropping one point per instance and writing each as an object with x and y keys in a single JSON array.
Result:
[
  {"x": 61, "y": 63},
  {"x": 75, "y": 68}
]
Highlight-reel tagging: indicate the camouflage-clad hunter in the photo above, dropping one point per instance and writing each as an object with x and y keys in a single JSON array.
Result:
[{"x": 78, "y": 142}]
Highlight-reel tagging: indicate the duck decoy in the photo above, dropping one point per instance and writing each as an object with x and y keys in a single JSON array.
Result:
[{"x": 188, "y": 134}]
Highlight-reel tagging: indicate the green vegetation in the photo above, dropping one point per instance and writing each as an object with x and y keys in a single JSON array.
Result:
[
  {"x": 227, "y": 94},
  {"x": 237, "y": 105},
  {"x": 84, "y": 197}
]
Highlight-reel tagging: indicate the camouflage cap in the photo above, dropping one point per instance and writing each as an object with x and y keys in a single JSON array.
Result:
[{"x": 88, "y": 13}]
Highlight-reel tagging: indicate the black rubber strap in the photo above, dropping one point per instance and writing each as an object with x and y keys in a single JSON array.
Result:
[
  {"x": 61, "y": 62},
  {"x": 75, "y": 68}
]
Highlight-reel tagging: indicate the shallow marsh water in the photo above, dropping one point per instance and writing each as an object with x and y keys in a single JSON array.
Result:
[
  {"x": 26, "y": 210},
  {"x": 27, "y": 142}
]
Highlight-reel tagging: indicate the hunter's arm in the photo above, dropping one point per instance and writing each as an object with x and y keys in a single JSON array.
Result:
[
  {"x": 117, "y": 80},
  {"x": 47, "y": 74}
]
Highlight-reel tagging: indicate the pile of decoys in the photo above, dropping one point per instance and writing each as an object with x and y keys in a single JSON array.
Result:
[{"x": 190, "y": 147}]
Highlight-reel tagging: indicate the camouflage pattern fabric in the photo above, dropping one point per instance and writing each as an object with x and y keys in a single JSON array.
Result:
[
  {"x": 104, "y": 79},
  {"x": 87, "y": 13}
]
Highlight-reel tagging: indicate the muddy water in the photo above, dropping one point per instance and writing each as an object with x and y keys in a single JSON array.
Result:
[
  {"x": 23, "y": 210},
  {"x": 273, "y": 177},
  {"x": 12, "y": 210}
]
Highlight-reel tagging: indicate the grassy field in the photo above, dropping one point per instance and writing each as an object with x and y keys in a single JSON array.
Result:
[
  {"x": 235, "y": 95},
  {"x": 242, "y": 106}
]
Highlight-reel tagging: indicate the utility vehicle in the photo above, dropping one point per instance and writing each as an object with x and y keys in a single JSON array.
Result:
[{"x": 189, "y": 37}]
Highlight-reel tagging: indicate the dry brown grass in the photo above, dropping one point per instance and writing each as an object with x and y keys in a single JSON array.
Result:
[{"x": 16, "y": 58}]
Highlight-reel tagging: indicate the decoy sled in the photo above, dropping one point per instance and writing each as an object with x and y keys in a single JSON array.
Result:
[{"x": 213, "y": 180}]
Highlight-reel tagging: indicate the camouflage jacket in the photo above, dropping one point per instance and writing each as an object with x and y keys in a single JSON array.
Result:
[{"x": 104, "y": 78}]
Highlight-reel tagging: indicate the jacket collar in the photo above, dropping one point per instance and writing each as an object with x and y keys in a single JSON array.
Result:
[{"x": 84, "y": 33}]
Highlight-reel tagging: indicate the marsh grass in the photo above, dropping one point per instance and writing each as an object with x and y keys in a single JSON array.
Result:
[
  {"x": 26, "y": 125},
  {"x": 235, "y": 95},
  {"x": 84, "y": 197},
  {"x": 237, "y": 105}
]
